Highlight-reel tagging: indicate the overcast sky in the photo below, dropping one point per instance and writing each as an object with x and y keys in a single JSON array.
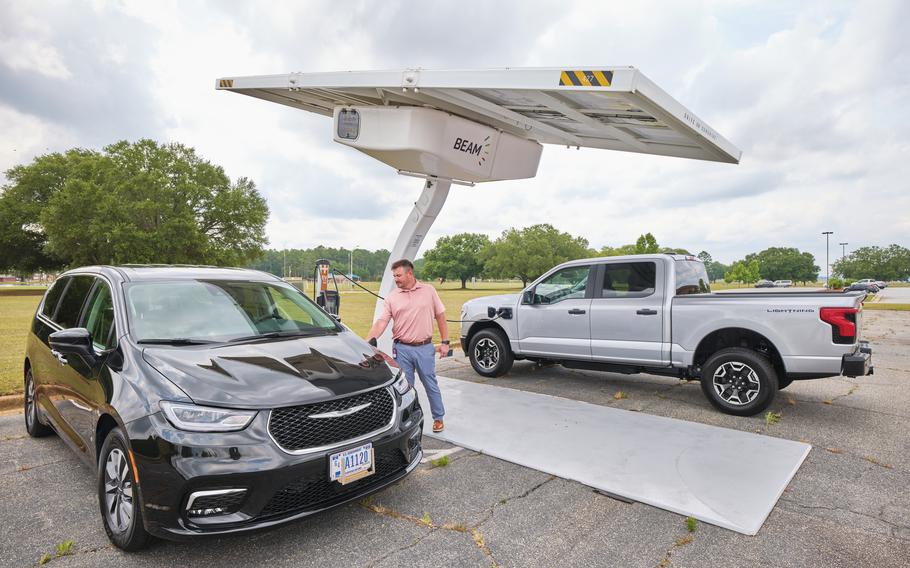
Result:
[{"x": 815, "y": 94}]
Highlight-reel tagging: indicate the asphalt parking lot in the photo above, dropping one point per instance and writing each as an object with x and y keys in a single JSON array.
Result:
[{"x": 849, "y": 504}]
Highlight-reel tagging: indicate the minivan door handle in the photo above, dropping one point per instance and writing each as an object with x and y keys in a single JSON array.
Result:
[
  {"x": 646, "y": 312},
  {"x": 61, "y": 358},
  {"x": 576, "y": 311}
]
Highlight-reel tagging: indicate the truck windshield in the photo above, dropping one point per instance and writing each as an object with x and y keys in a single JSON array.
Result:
[
  {"x": 202, "y": 311},
  {"x": 691, "y": 278}
]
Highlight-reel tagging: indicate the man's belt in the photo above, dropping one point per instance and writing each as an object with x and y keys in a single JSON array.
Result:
[{"x": 416, "y": 343}]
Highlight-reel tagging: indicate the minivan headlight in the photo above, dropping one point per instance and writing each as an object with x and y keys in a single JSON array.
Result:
[
  {"x": 193, "y": 418},
  {"x": 401, "y": 384}
]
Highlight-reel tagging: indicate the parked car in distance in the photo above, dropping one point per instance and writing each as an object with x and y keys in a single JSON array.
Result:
[
  {"x": 878, "y": 283},
  {"x": 783, "y": 283},
  {"x": 212, "y": 401},
  {"x": 868, "y": 287},
  {"x": 764, "y": 284}
]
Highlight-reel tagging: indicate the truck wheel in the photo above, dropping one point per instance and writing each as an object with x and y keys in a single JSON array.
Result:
[
  {"x": 490, "y": 353},
  {"x": 739, "y": 381},
  {"x": 121, "y": 512}
]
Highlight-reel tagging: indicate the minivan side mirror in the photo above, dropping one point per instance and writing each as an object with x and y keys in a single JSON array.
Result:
[
  {"x": 527, "y": 297},
  {"x": 76, "y": 341}
]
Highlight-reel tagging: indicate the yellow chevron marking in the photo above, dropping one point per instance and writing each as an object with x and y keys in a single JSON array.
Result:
[
  {"x": 564, "y": 79},
  {"x": 604, "y": 82}
]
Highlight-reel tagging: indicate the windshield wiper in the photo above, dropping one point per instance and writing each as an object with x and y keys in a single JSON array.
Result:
[
  {"x": 273, "y": 334},
  {"x": 175, "y": 341}
]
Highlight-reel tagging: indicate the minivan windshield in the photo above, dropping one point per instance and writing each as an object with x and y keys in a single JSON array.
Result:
[{"x": 186, "y": 312}]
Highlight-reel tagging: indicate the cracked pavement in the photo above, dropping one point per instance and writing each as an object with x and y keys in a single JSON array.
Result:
[{"x": 848, "y": 505}]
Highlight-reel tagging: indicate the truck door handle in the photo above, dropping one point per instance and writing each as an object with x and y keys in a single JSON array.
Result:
[
  {"x": 576, "y": 311},
  {"x": 646, "y": 312}
]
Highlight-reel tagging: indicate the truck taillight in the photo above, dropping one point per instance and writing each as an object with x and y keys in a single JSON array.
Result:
[{"x": 842, "y": 321}]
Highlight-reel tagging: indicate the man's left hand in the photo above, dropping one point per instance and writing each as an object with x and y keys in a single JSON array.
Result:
[{"x": 443, "y": 350}]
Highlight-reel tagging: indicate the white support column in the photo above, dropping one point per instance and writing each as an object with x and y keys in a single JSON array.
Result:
[{"x": 418, "y": 223}]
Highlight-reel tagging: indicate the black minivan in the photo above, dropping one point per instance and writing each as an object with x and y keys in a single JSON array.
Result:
[{"x": 213, "y": 400}]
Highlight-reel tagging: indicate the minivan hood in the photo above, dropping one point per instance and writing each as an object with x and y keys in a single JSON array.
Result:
[{"x": 268, "y": 373}]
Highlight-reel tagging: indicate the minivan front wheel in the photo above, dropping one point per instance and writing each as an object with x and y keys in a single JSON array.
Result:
[
  {"x": 118, "y": 495},
  {"x": 33, "y": 424},
  {"x": 490, "y": 353},
  {"x": 739, "y": 381}
]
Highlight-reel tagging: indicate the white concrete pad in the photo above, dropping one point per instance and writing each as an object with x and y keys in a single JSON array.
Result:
[{"x": 724, "y": 477}]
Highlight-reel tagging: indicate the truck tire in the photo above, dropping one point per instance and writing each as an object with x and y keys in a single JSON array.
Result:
[
  {"x": 490, "y": 353},
  {"x": 739, "y": 381}
]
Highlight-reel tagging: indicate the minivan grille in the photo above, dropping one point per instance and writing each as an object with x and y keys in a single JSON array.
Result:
[
  {"x": 294, "y": 427},
  {"x": 318, "y": 492}
]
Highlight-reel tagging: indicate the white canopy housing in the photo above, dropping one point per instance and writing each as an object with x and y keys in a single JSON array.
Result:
[{"x": 614, "y": 108}]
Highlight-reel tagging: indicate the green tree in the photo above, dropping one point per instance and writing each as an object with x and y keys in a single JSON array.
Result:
[
  {"x": 23, "y": 241},
  {"x": 705, "y": 257},
  {"x": 743, "y": 271},
  {"x": 139, "y": 203},
  {"x": 527, "y": 253},
  {"x": 618, "y": 251},
  {"x": 785, "y": 263},
  {"x": 891, "y": 263},
  {"x": 646, "y": 244},
  {"x": 458, "y": 256}
]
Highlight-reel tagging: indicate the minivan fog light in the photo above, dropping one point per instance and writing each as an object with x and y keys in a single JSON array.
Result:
[{"x": 193, "y": 418}]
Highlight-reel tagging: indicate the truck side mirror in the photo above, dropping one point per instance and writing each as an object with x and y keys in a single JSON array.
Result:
[{"x": 527, "y": 297}]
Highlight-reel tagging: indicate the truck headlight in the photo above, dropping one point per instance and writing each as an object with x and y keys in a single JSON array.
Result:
[{"x": 193, "y": 418}]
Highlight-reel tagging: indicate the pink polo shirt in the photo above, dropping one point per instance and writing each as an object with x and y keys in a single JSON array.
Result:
[{"x": 412, "y": 312}]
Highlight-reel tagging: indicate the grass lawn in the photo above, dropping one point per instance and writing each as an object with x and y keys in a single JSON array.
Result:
[
  {"x": 16, "y": 314},
  {"x": 888, "y": 307}
]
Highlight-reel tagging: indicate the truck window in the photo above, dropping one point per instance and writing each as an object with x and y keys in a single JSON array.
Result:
[
  {"x": 629, "y": 279},
  {"x": 567, "y": 284},
  {"x": 691, "y": 278},
  {"x": 72, "y": 301}
]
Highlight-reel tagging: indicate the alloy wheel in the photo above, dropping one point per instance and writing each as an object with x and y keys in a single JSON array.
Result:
[
  {"x": 736, "y": 383},
  {"x": 118, "y": 491},
  {"x": 30, "y": 410},
  {"x": 486, "y": 353}
]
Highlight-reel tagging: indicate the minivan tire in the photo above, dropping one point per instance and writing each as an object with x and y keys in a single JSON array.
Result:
[
  {"x": 115, "y": 473},
  {"x": 33, "y": 424},
  {"x": 490, "y": 353},
  {"x": 739, "y": 381}
]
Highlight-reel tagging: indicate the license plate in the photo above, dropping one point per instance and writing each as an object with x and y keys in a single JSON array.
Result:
[{"x": 351, "y": 465}]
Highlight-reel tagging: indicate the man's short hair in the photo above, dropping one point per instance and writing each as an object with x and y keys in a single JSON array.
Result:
[{"x": 403, "y": 263}]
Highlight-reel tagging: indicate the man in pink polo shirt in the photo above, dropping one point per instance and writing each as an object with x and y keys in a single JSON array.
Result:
[{"x": 412, "y": 307}]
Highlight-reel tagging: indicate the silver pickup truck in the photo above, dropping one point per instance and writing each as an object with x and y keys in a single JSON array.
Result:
[{"x": 656, "y": 314}]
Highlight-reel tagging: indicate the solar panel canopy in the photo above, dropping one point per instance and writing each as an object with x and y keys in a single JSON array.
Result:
[{"x": 613, "y": 108}]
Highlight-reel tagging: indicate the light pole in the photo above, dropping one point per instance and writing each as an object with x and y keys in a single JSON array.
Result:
[
  {"x": 843, "y": 252},
  {"x": 827, "y": 266}
]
